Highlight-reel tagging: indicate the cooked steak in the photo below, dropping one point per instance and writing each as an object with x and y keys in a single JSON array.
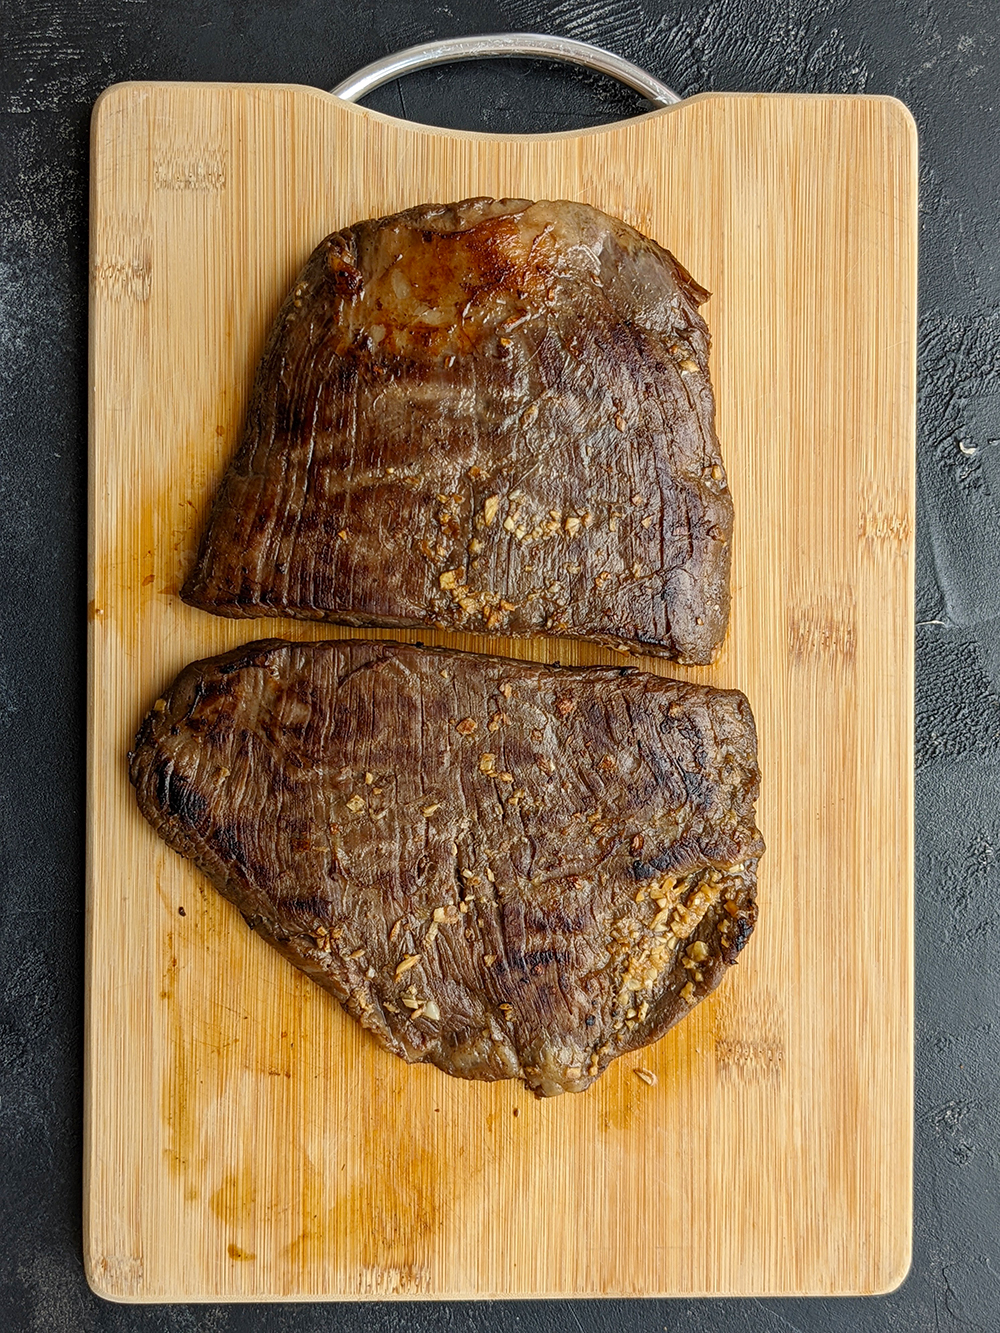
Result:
[
  {"x": 505, "y": 869},
  {"x": 492, "y": 416}
]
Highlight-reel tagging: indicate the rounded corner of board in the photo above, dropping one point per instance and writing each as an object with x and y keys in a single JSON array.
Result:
[
  {"x": 105, "y": 1286},
  {"x": 895, "y": 1271},
  {"x": 903, "y": 118},
  {"x": 113, "y": 95}
]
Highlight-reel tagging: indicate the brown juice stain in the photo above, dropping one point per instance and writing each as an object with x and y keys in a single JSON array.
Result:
[
  {"x": 616, "y": 1098},
  {"x": 149, "y": 522},
  {"x": 181, "y": 1131},
  {"x": 316, "y": 1221},
  {"x": 196, "y": 1044},
  {"x": 627, "y": 1105},
  {"x": 401, "y": 1186},
  {"x": 234, "y": 1201},
  {"x": 255, "y": 1054},
  {"x": 394, "y": 1216}
]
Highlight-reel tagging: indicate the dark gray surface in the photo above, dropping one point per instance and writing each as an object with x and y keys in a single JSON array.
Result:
[{"x": 943, "y": 59}]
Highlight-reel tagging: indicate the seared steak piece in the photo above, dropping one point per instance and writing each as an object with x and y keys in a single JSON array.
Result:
[
  {"x": 506, "y": 869},
  {"x": 492, "y": 416}
]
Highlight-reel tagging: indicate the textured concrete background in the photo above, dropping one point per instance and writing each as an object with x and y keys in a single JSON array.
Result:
[{"x": 942, "y": 57}]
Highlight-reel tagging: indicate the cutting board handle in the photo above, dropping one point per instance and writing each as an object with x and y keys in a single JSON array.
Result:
[{"x": 496, "y": 45}]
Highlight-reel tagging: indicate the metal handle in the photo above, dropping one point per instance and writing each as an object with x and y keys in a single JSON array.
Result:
[{"x": 493, "y": 45}]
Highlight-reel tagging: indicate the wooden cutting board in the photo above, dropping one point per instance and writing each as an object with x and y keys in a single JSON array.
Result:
[{"x": 244, "y": 1138}]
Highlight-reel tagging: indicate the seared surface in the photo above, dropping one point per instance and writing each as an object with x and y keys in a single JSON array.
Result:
[
  {"x": 489, "y": 416},
  {"x": 508, "y": 870}
]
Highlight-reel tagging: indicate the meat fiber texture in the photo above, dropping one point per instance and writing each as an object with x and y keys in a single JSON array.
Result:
[
  {"x": 506, "y": 869},
  {"x": 492, "y": 416}
]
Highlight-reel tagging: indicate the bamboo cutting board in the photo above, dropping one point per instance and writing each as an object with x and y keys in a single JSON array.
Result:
[{"x": 244, "y": 1138}]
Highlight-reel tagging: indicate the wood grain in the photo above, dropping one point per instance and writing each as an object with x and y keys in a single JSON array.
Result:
[{"x": 244, "y": 1138}]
